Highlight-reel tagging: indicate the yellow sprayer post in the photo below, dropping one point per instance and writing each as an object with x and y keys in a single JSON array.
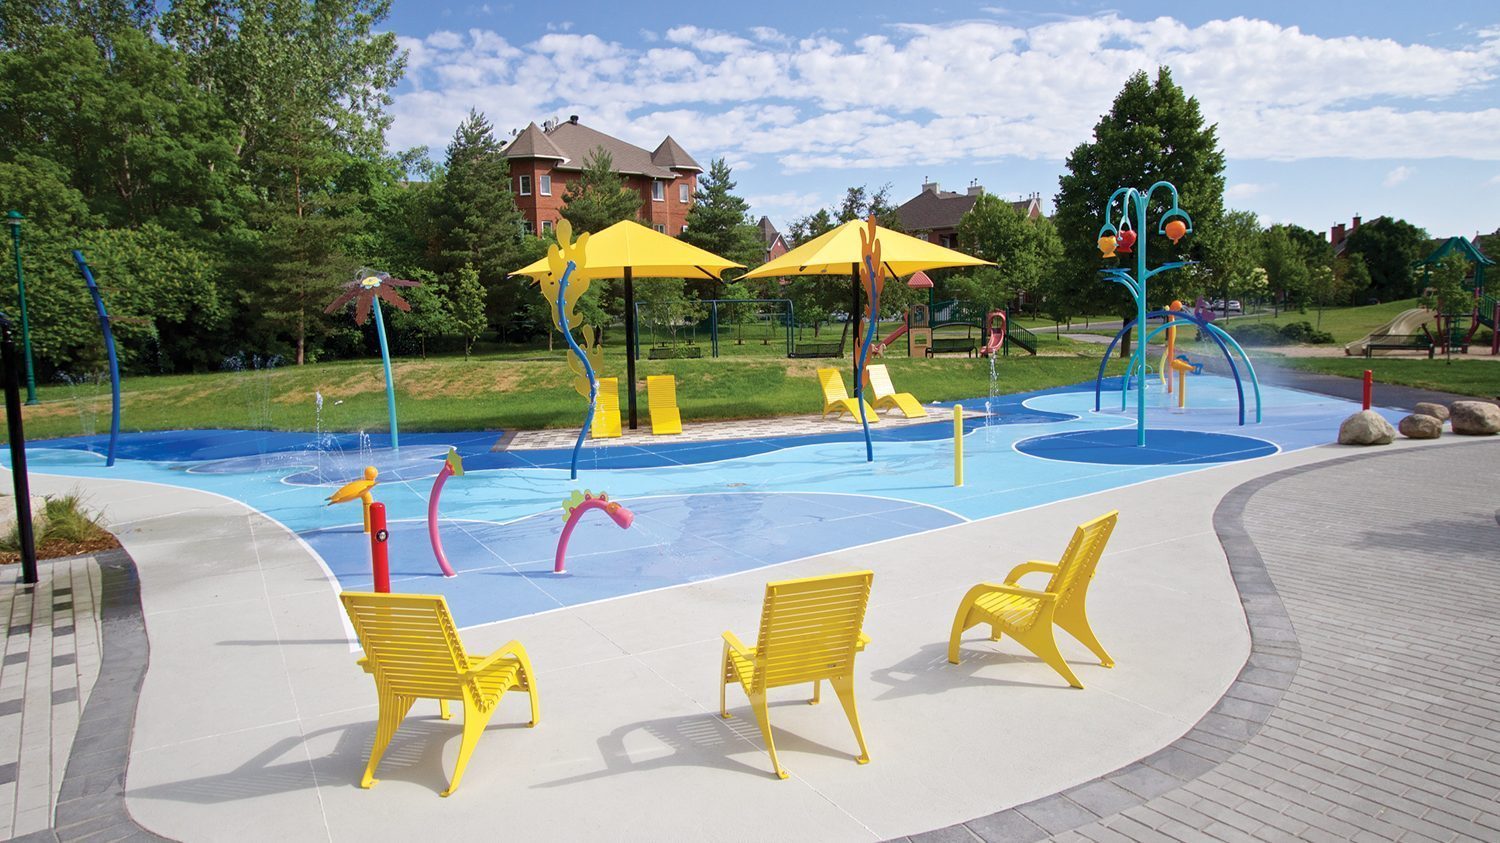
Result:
[
  {"x": 1182, "y": 388},
  {"x": 958, "y": 445}
]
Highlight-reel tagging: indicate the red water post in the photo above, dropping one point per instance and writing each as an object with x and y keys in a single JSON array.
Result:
[
  {"x": 379, "y": 556},
  {"x": 1369, "y": 382}
]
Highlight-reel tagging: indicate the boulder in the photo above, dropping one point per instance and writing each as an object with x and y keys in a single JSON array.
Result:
[
  {"x": 1428, "y": 408},
  {"x": 1366, "y": 427},
  {"x": 1475, "y": 418},
  {"x": 1420, "y": 426}
]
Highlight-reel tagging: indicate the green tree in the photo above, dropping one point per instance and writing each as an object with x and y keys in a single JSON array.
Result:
[
  {"x": 809, "y": 227},
  {"x": 466, "y": 305},
  {"x": 719, "y": 220},
  {"x": 1449, "y": 294},
  {"x": 475, "y": 216},
  {"x": 1153, "y": 131},
  {"x": 1236, "y": 258},
  {"x": 1389, "y": 247},
  {"x": 598, "y": 198},
  {"x": 1288, "y": 270},
  {"x": 1353, "y": 277},
  {"x": 1026, "y": 251}
]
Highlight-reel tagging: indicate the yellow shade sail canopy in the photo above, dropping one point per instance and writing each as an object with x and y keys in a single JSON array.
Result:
[
  {"x": 836, "y": 251},
  {"x": 645, "y": 253}
]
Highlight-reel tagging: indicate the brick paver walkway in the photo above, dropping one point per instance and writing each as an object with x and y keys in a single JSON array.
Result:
[
  {"x": 52, "y": 644},
  {"x": 1370, "y": 709}
]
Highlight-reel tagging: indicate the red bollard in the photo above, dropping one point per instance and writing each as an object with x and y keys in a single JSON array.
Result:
[
  {"x": 1369, "y": 382},
  {"x": 379, "y": 556}
]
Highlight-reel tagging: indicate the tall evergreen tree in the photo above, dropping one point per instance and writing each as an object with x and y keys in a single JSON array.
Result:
[
  {"x": 476, "y": 220},
  {"x": 719, "y": 220},
  {"x": 598, "y": 198},
  {"x": 1154, "y": 131}
]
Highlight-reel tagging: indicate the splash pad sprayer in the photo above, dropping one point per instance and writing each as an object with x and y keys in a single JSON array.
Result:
[
  {"x": 453, "y": 466},
  {"x": 565, "y": 258},
  {"x": 573, "y": 510},
  {"x": 366, "y": 291},
  {"x": 361, "y": 490}
]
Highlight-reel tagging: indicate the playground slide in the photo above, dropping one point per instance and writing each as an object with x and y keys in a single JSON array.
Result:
[
  {"x": 880, "y": 347},
  {"x": 997, "y": 339},
  {"x": 1407, "y": 322}
]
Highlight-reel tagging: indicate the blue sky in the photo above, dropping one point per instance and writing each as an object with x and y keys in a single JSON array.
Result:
[{"x": 1325, "y": 110}]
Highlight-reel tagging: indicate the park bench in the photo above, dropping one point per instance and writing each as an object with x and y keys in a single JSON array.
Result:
[
  {"x": 944, "y": 345},
  {"x": 674, "y": 352},
  {"x": 1401, "y": 342}
]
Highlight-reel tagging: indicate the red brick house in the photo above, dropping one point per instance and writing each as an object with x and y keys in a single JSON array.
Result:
[
  {"x": 545, "y": 159},
  {"x": 934, "y": 213},
  {"x": 775, "y": 243},
  {"x": 1339, "y": 233}
]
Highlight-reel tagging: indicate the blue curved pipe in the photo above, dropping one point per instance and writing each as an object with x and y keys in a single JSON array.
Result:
[
  {"x": 109, "y": 346},
  {"x": 567, "y": 332},
  {"x": 1239, "y": 387},
  {"x": 1250, "y": 367},
  {"x": 390, "y": 384},
  {"x": 873, "y": 296},
  {"x": 1215, "y": 332}
]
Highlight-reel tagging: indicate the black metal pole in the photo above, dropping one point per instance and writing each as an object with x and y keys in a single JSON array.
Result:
[
  {"x": 630, "y": 341},
  {"x": 18, "y": 475}
]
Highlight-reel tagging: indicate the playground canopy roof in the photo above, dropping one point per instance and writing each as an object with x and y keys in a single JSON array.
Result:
[
  {"x": 835, "y": 252},
  {"x": 628, "y": 246}
]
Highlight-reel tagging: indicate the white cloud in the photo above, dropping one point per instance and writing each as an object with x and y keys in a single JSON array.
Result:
[
  {"x": 785, "y": 206},
  {"x": 1494, "y": 181},
  {"x": 972, "y": 91},
  {"x": 1244, "y": 190},
  {"x": 1398, "y": 175}
]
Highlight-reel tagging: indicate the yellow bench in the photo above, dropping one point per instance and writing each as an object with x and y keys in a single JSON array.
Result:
[
  {"x": 607, "y": 410},
  {"x": 887, "y": 398},
  {"x": 661, "y": 397},
  {"x": 836, "y": 399}
]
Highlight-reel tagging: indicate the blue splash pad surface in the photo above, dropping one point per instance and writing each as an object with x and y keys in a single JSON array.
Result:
[{"x": 704, "y": 509}]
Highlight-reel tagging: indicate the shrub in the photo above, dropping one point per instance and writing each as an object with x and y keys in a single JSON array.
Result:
[
  {"x": 61, "y": 519},
  {"x": 1262, "y": 334}
]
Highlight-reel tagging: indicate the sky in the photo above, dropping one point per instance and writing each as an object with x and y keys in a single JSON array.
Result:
[{"x": 1325, "y": 110}]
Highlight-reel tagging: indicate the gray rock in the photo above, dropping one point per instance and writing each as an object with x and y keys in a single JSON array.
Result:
[
  {"x": 1428, "y": 408},
  {"x": 1475, "y": 418},
  {"x": 1366, "y": 427},
  {"x": 1420, "y": 426}
]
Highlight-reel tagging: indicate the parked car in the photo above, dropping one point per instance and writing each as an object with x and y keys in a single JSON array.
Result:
[{"x": 1234, "y": 307}]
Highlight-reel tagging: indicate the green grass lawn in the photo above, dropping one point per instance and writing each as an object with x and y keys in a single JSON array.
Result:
[
  {"x": 518, "y": 389},
  {"x": 1347, "y": 324},
  {"x": 1464, "y": 375}
]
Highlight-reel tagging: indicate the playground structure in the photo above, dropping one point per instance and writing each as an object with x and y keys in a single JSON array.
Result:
[
  {"x": 573, "y": 511},
  {"x": 1453, "y": 334},
  {"x": 1120, "y": 233},
  {"x": 921, "y": 322}
]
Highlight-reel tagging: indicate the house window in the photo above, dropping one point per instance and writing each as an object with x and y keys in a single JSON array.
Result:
[
  {"x": 523, "y": 185},
  {"x": 684, "y": 228},
  {"x": 946, "y": 241},
  {"x": 682, "y": 192},
  {"x": 544, "y": 185},
  {"x": 525, "y": 226},
  {"x": 662, "y": 228},
  {"x": 658, "y": 193},
  {"x": 546, "y": 224}
]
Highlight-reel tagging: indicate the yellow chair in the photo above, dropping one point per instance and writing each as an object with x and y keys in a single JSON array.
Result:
[
  {"x": 412, "y": 648},
  {"x": 836, "y": 399},
  {"x": 661, "y": 397},
  {"x": 1029, "y": 615},
  {"x": 809, "y": 631},
  {"x": 607, "y": 410},
  {"x": 886, "y": 396}
]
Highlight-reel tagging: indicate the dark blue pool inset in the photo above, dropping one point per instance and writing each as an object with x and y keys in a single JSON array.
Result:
[
  {"x": 505, "y": 570},
  {"x": 1117, "y": 446}
]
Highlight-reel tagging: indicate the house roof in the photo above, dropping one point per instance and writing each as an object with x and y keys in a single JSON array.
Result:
[
  {"x": 931, "y": 210},
  {"x": 671, "y": 155},
  {"x": 572, "y": 142},
  {"x": 532, "y": 142},
  {"x": 768, "y": 231}
]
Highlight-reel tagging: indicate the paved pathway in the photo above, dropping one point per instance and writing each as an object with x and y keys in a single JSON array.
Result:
[
  {"x": 52, "y": 643},
  {"x": 1369, "y": 707}
]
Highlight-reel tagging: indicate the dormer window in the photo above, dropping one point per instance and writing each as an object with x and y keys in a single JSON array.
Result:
[
  {"x": 658, "y": 193},
  {"x": 523, "y": 185}
]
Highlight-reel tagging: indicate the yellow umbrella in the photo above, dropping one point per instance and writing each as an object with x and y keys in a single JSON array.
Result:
[
  {"x": 838, "y": 252},
  {"x": 630, "y": 250}
]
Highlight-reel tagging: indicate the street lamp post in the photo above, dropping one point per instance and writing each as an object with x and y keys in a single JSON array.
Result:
[{"x": 14, "y": 219}]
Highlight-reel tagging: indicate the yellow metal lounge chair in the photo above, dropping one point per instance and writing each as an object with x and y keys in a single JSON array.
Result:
[
  {"x": 412, "y": 648},
  {"x": 809, "y": 631},
  {"x": 836, "y": 399},
  {"x": 607, "y": 411},
  {"x": 1028, "y": 615},
  {"x": 661, "y": 397},
  {"x": 887, "y": 398}
]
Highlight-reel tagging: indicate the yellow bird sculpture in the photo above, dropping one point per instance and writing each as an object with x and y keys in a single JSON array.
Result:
[{"x": 362, "y": 490}]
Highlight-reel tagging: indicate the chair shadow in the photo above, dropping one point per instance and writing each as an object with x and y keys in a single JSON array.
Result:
[
  {"x": 708, "y": 740},
  {"x": 928, "y": 671},
  {"x": 415, "y": 756}
]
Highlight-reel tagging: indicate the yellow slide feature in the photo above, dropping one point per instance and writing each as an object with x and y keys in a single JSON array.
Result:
[
  {"x": 1406, "y": 323},
  {"x": 607, "y": 410},
  {"x": 836, "y": 399},
  {"x": 887, "y": 398},
  {"x": 661, "y": 397}
]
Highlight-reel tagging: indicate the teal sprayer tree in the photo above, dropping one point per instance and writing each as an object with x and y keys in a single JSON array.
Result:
[
  {"x": 565, "y": 258},
  {"x": 1122, "y": 233},
  {"x": 369, "y": 287},
  {"x": 109, "y": 348}
]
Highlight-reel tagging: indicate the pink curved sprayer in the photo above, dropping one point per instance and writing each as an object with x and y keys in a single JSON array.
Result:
[
  {"x": 573, "y": 510},
  {"x": 451, "y": 466}
]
